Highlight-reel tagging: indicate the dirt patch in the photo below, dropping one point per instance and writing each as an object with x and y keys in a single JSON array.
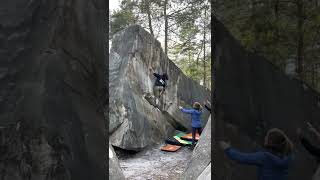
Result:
[{"x": 155, "y": 164}]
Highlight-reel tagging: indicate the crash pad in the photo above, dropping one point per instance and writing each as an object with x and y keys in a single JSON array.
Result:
[
  {"x": 170, "y": 148},
  {"x": 173, "y": 141},
  {"x": 189, "y": 137},
  {"x": 180, "y": 134},
  {"x": 182, "y": 141}
]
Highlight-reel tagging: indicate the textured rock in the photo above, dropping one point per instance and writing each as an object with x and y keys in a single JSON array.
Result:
[
  {"x": 252, "y": 96},
  {"x": 115, "y": 172},
  {"x": 206, "y": 174},
  {"x": 51, "y": 77},
  {"x": 134, "y": 122},
  {"x": 201, "y": 157}
]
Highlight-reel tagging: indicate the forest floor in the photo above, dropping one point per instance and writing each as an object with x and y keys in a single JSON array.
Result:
[{"x": 152, "y": 163}]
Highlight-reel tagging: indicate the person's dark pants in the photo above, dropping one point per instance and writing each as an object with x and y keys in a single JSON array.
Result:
[{"x": 194, "y": 133}]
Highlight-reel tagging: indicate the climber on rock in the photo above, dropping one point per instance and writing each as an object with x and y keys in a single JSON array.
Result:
[
  {"x": 159, "y": 86},
  {"x": 195, "y": 112},
  {"x": 272, "y": 162}
]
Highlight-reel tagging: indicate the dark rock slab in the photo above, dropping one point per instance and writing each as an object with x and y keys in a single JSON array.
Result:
[
  {"x": 252, "y": 96},
  {"x": 52, "y": 67}
]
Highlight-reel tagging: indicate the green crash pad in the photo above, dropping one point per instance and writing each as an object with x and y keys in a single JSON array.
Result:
[
  {"x": 180, "y": 134},
  {"x": 182, "y": 141}
]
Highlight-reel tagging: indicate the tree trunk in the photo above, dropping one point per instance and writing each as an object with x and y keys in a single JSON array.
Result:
[
  {"x": 149, "y": 17},
  {"x": 197, "y": 60},
  {"x": 276, "y": 14},
  {"x": 300, "y": 47},
  {"x": 165, "y": 27},
  {"x": 313, "y": 69},
  {"x": 254, "y": 45},
  {"x": 204, "y": 48}
]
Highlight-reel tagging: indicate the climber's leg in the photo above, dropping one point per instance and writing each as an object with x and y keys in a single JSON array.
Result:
[
  {"x": 156, "y": 92},
  {"x": 200, "y": 131},
  {"x": 160, "y": 91},
  {"x": 193, "y": 135},
  {"x": 150, "y": 98}
]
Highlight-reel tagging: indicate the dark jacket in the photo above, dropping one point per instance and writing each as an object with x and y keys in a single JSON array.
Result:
[
  {"x": 270, "y": 166},
  {"x": 161, "y": 79}
]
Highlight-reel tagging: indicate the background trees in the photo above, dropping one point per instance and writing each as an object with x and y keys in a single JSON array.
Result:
[
  {"x": 284, "y": 31},
  {"x": 182, "y": 27}
]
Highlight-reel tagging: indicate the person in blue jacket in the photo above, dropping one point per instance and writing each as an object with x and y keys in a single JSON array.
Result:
[
  {"x": 272, "y": 162},
  {"x": 195, "y": 119}
]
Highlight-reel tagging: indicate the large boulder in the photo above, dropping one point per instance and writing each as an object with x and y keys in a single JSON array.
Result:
[
  {"x": 52, "y": 89},
  {"x": 115, "y": 172},
  {"x": 200, "y": 164},
  {"x": 252, "y": 96},
  {"x": 134, "y": 122}
]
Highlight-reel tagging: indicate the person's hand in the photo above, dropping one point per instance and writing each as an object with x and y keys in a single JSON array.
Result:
[
  {"x": 224, "y": 145},
  {"x": 180, "y": 107}
]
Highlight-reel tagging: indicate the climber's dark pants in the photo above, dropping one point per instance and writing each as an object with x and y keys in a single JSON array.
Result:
[
  {"x": 158, "y": 91},
  {"x": 194, "y": 134}
]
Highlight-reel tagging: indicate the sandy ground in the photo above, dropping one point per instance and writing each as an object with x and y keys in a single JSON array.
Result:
[{"x": 156, "y": 164}]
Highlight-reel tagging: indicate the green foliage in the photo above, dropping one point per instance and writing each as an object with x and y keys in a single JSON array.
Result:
[
  {"x": 270, "y": 28},
  {"x": 122, "y": 18}
]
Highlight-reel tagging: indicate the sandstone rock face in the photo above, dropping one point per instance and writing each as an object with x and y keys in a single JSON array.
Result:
[
  {"x": 134, "y": 122},
  {"x": 252, "y": 96},
  {"x": 52, "y": 89},
  {"x": 115, "y": 172},
  {"x": 200, "y": 165}
]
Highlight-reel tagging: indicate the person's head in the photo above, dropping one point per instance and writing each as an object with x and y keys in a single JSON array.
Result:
[
  {"x": 277, "y": 142},
  {"x": 197, "y": 106},
  {"x": 165, "y": 76}
]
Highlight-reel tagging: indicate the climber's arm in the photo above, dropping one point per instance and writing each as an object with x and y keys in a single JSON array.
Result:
[
  {"x": 245, "y": 158},
  {"x": 188, "y": 111}
]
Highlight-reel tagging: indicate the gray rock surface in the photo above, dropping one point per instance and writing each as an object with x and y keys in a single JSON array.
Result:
[
  {"x": 252, "y": 96},
  {"x": 52, "y": 89},
  {"x": 115, "y": 171},
  {"x": 201, "y": 157},
  {"x": 206, "y": 174},
  {"x": 134, "y": 122}
]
